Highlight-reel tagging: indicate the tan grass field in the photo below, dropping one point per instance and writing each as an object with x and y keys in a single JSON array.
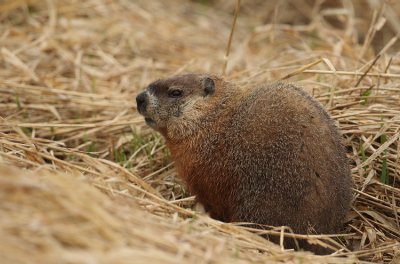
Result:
[{"x": 83, "y": 180}]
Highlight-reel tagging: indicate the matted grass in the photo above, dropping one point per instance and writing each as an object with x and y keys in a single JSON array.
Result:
[{"x": 95, "y": 185}]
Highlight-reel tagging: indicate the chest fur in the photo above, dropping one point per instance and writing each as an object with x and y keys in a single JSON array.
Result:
[{"x": 203, "y": 169}]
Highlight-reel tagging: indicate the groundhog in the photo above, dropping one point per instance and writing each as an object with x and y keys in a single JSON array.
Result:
[{"x": 269, "y": 155}]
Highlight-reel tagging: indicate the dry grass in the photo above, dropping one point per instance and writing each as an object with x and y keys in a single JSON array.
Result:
[{"x": 96, "y": 186}]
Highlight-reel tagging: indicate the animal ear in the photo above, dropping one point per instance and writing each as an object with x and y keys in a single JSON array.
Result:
[{"x": 208, "y": 85}]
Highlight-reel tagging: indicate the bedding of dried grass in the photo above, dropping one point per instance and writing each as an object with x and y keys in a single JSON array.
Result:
[{"x": 95, "y": 185}]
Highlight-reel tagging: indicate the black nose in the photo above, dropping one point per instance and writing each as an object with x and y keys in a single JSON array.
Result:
[{"x": 141, "y": 101}]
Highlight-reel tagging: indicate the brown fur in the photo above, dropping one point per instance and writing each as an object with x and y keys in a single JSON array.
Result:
[{"x": 270, "y": 155}]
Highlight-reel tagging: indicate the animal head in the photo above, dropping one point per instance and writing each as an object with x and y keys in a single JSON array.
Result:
[{"x": 176, "y": 106}]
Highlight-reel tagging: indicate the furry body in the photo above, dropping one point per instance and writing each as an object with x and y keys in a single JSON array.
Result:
[{"x": 270, "y": 155}]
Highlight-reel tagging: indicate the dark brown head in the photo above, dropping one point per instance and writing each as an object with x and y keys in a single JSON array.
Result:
[{"x": 176, "y": 105}]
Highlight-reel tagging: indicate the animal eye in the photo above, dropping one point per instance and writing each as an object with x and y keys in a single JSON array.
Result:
[{"x": 175, "y": 93}]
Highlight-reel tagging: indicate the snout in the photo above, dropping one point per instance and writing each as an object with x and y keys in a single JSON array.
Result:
[{"x": 141, "y": 101}]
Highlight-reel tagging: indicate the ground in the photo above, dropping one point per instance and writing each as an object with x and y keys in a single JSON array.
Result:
[{"x": 84, "y": 180}]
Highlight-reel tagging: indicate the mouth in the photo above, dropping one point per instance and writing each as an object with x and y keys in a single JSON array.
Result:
[{"x": 149, "y": 121}]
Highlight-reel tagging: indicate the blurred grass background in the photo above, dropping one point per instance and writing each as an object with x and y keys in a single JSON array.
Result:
[{"x": 95, "y": 185}]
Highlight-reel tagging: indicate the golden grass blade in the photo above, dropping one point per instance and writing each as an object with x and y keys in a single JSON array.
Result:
[{"x": 95, "y": 185}]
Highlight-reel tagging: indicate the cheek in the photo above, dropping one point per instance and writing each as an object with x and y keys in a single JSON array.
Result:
[
  {"x": 190, "y": 110},
  {"x": 179, "y": 109},
  {"x": 173, "y": 108},
  {"x": 153, "y": 108},
  {"x": 161, "y": 110},
  {"x": 153, "y": 101}
]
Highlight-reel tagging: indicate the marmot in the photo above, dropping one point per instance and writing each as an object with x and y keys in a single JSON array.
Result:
[{"x": 269, "y": 155}]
